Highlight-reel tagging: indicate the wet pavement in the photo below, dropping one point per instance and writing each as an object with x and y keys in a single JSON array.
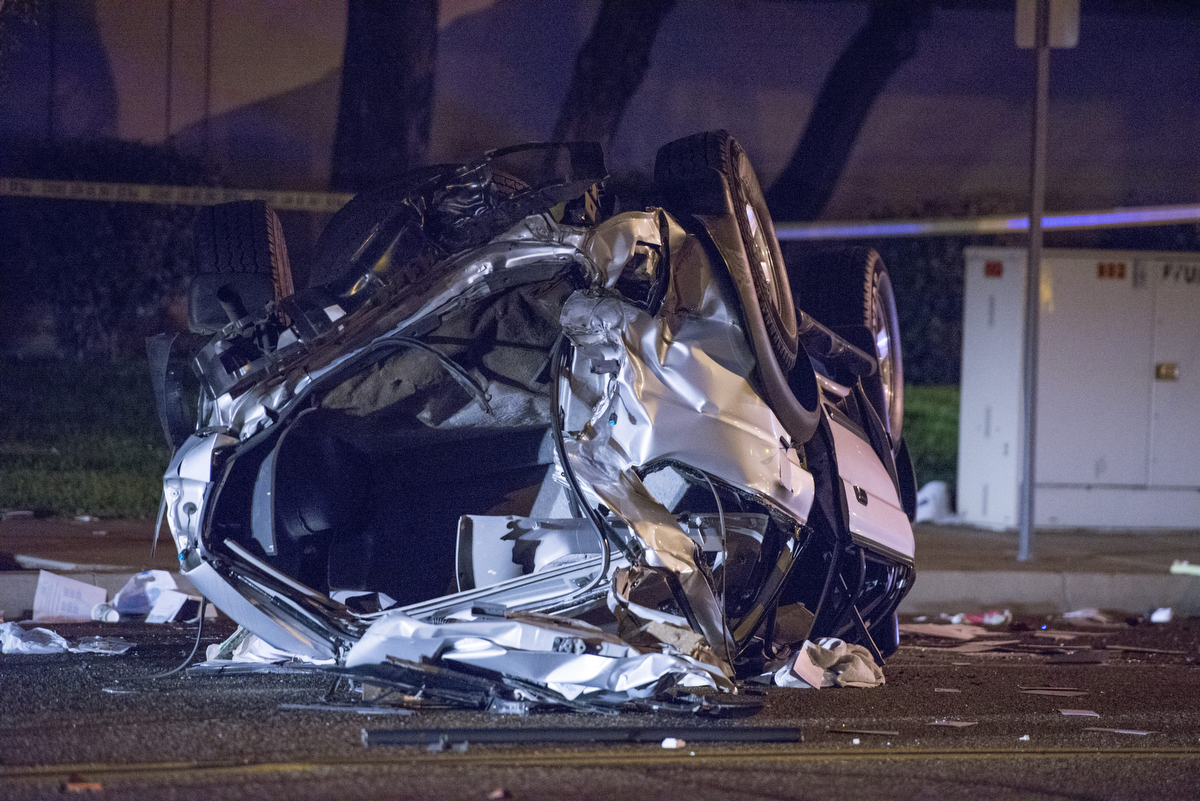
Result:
[{"x": 72, "y": 721}]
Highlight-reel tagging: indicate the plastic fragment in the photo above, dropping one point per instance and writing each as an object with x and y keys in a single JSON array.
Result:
[{"x": 16, "y": 640}]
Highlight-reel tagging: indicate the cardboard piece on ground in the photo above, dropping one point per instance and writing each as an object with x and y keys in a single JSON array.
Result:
[
  {"x": 1051, "y": 634},
  {"x": 59, "y": 599},
  {"x": 949, "y": 631}
]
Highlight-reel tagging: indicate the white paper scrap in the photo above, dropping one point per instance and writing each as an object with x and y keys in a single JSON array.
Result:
[
  {"x": 59, "y": 599},
  {"x": 166, "y": 606}
]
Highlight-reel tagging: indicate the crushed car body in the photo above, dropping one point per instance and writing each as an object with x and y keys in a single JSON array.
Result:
[{"x": 518, "y": 428}]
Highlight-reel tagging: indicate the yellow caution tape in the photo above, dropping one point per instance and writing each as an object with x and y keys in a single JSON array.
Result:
[{"x": 170, "y": 195}]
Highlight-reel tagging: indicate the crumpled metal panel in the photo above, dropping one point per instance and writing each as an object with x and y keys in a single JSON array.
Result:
[
  {"x": 569, "y": 657},
  {"x": 672, "y": 387}
]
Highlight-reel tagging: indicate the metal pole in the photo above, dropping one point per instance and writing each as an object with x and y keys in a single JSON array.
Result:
[{"x": 1033, "y": 275}]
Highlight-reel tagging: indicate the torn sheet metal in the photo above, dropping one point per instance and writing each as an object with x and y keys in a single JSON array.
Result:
[
  {"x": 646, "y": 390},
  {"x": 567, "y": 656}
]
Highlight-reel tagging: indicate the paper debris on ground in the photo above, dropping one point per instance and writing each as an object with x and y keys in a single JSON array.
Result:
[
  {"x": 1090, "y": 613},
  {"x": 59, "y": 599},
  {"x": 16, "y": 640},
  {"x": 946, "y": 690},
  {"x": 949, "y": 631},
  {"x": 830, "y": 662},
  {"x": 1080, "y": 713},
  {"x": 954, "y": 724},
  {"x": 1118, "y": 731},
  {"x": 1161, "y": 615},
  {"x": 879, "y": 732},
  {"x": 995, "y": 617},
  {"x": 1056, "y": 693},
  {"x": 1181, "y": 567}
]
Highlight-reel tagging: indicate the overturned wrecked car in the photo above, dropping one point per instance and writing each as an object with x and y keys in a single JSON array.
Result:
[{"x": 523, "y": 442}]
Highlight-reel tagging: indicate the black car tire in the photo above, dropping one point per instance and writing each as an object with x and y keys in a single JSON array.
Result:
[
  {"x": 353, "y": 223},
  {"x": 691, "y": 169},
  {"x": 849, "y": 290},
  {"x": 239, "y": 245}
]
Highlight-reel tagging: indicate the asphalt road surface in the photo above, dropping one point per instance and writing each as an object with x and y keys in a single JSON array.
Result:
[{"x": 79, "y": 726}]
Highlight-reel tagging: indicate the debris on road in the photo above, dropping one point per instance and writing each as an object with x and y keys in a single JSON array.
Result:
[
  {"x": 1079, "y": 658},
  {"x": 1118, "y": 731},
  {"x": 59, "y": 599},
  {"x": 1181, "y": 567},
  {"x": 949, "y": 631},
  {"x": 995, "y": 617},
  {"x": 829, "y": 662},
  {"x": 16, "y": 640},
  {"x": 946, "y": 690},
  {"x": 594, "y": 734},
  {"x": 878, "y": 732},
  {"x": 106, "y": 613},
  {"x": 673, "y": 742},
  {"x": 1135, "y": 649},
  {"x": 1080, "y": 713},
  {"x": 361, "y": 710},
  {"x": 1161, "y": 615},
  {"x": 244, "y": 652},
  {"x": 933, "y": 504},
  {"x": 980, "y": 647},
  {"x": 1056, "y": 693},
  {"x": 1090, "y": 613},
  {"x": 954, "y": 724},
  {"x": 108, "y": 646}
]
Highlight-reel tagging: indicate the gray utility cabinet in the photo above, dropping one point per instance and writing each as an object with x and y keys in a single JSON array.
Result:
[{"x": 1118, "y": 423}]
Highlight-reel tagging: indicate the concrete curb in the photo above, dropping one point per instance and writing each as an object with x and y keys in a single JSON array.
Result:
[{"x": 952, "y": 591}]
